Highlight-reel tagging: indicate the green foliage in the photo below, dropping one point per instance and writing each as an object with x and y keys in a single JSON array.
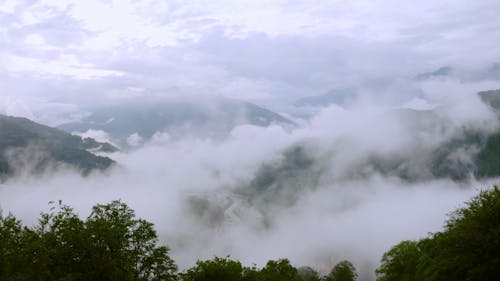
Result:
[
  {"x": 468, "y": 249},
  {"x": 279, "y": 270},
  {"x": 10, "y": 241},
  {"x": 343, "y": 271},
  {"x": 222, "y": 269},
  {"x": 307, "y": 273},
  {"x": 110, "y": 245},
  {"x": 400, "y": 263}
]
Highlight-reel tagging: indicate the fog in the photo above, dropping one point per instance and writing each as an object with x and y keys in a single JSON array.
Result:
[{"x": 326, "y": 201}]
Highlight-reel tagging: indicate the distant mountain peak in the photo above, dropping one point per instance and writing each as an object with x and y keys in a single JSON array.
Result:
[
  {"x": 336, "y": 96},
  {"x": 207, "y": 117},
  {"x": 440, "y": 72}
]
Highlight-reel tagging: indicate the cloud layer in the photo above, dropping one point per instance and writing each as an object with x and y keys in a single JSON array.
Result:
[{"x": 267, "y": 51}]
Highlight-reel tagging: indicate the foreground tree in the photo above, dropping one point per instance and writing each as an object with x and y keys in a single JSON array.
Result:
[
  {"x": 11, "y": 260},
  {"x": 279, "y": 270},
  {"x": 110, "y": 245},
  {"x": 468, "y": 249},
  {"x": 307, "y": 273},
  {"x": 343, "y": 271},
  {"x": 222, "y": 269},
  {"x": 400, "y": 263}
]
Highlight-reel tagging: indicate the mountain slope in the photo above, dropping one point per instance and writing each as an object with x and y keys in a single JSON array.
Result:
[
  {"x": 491, "y": 98},
  {"x": 438, "y": 73},
  {"x": 214, "y": 117},
  {"x": 25, "y": 144},
  {"x": 338, "y": 97},
  {"x": 302, "y": 167}
]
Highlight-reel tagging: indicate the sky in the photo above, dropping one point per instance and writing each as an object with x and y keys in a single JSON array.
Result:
[{"x": 268, "y": 52}]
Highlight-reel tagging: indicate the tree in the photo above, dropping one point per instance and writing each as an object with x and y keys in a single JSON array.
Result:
[
  {"x": 400, "y": 263},
  {"x": 307, "y": 273},
  {"x": 110, "y": 245},
  {"x": 220, "y": 269},
  {"x": 127, "y": 245},
  {"x": 343, "y": 271},
  {"x": 279, "y": 270},
  {"x": 468, "y": 249},
  {"x": 10, "y": 243}
]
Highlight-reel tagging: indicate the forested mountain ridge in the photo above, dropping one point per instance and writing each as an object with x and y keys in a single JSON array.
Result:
[
  {"x": 213, "y": 118},
  {"x": 26, "y": 143},
  {"x": 491, "y": 97}
]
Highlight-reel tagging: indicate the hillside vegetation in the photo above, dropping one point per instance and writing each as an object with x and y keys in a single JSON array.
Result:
[{"x": 26, "y": 145}]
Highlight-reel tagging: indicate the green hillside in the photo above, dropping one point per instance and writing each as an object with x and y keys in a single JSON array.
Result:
[{"x": 25, "y": 143}]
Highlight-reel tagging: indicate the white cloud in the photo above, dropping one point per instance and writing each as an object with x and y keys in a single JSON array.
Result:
[
  {"x": 134, "y": 140},
  {"x": 8, "y": 6},
  {"x": 98, "y": 135},
  {"x": 63, "y": 66},
  {"x": 267, "y": 51}
]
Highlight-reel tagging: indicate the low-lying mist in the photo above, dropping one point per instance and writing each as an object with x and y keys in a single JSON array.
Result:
[{"x": 348, "y": 184}]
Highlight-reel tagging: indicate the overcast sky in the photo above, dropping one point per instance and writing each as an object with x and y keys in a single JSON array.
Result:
[{"x": 269, "y": 52}]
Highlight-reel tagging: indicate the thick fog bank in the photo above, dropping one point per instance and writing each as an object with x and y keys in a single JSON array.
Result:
[{"x": 347, "y": 185}]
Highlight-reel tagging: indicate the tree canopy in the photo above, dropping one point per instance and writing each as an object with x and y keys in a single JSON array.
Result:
[
  {"x": 342, "y": 271},
  {"x": 111, "y": 244},
  {"x": 216, "y": 269},
  {"x": 468, "y": 249}
]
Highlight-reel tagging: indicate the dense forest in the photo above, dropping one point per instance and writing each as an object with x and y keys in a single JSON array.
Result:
[{"x": 112, "y": 244}]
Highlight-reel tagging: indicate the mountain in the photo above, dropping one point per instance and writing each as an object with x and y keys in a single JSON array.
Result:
[
  {"x": 440, "y": 72},
  {"x": 25, "y": 144},
  {"x": 339, "y": 97},
  {"x": 300, "y": 168},
  {"x": 491, "y": 98},
  {"x": 487, "y": 72},
  {"x": 468, "y": 153},
  {"x": 214, "y": 117}
]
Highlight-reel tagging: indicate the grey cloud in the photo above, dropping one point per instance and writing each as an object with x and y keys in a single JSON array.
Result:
[
  {"x": 282, "y": 68},
  {"x": 59, "y": 30}
]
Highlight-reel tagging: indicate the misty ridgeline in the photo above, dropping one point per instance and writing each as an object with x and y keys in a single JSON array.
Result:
[{"x": 112, "y": 244}]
